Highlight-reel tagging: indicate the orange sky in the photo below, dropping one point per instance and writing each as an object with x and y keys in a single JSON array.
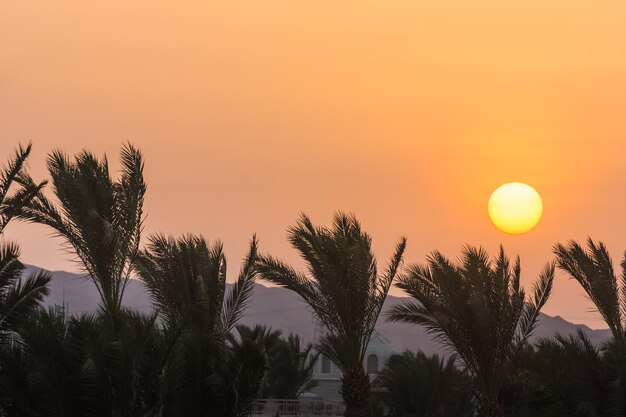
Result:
[{"x": 408, "y": 113}]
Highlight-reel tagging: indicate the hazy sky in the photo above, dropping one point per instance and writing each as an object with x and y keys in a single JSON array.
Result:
[{"x": 408, "y": 113}]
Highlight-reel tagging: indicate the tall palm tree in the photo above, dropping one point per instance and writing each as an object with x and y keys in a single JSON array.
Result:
[
  {"x": 345, "y": 291},
  {"x": 478, "y": 309},
  {"x": 592, "y": 267},
  {"x": 100, "y": 219},
  {"x": 18, "y": 298},
  {"x": 187, "y": 280}
]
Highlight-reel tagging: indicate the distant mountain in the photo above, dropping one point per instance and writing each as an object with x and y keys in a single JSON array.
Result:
[{"x": 282, "y": 309}]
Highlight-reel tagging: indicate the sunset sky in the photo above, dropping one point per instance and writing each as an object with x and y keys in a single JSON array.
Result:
[{"x": 407, "y": 113}]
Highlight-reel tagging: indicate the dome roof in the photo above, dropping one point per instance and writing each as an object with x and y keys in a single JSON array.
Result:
[{"x": 380, "y": 344}]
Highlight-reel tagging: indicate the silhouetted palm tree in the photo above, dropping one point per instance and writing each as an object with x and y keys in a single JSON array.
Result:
[
  {"x": 18, "y": 298},
  {"x": 416, "y": 385},
  {"x": 289, "y": 364},
  {"x": 290, "y": 368},
  {"x": 574, "y": 370},
  {"x": 203, "y": 374},
  {"x": 64, "y": 366},
  {"x": 478, "y": 309},
  {"x": 592, "y": 267},
  {"x": 246, "y": 368},
  {"x": 100, "y": 219},
  {"x": 49, "y": 373},
  {"x": 343, "y": 288}
]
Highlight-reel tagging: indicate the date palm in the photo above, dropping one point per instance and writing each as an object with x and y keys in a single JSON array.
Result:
[
  {"x": 18, "y": 298},
  {"x": 203, "y": 373},
  {"x": 100, "y": 219},
  {"x": 344, "y": 290},
  {"x": 478, "y": 309},
  {"x": 592, "y": 267}
]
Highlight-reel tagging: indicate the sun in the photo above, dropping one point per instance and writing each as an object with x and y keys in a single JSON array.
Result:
[{"x": 515, "y": 208}]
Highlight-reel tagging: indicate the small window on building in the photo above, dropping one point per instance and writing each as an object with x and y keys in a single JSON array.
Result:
[
  {"x": 325, "y": 365},
  {"x": 372, "y": 364}
]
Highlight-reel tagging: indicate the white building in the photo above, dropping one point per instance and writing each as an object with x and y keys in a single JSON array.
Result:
[{"x": 328, "y": 376}]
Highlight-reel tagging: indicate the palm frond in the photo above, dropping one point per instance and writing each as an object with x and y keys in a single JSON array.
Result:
[
  {"x": 12, "y": 204},
  {"x": 593, "y": 269},
  {"x": 237, "y": 299},
  {"x": 541, "y": 292}
]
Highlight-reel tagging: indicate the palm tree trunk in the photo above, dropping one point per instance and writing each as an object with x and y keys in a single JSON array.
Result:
[
  {"x": 355, "y": 390},
  {"x": 489, "y": 407}
]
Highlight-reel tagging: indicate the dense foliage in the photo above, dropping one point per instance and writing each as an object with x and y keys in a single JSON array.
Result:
[{"x": 193, "y": 357}]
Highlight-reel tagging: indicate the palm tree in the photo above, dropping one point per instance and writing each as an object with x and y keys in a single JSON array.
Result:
[
  {"x": 574, "y": 371},
  {"x": 418, "y": 385},
  {"x": 246, "y": 367},
  {"x": 478, "y": 310},
  {"x": 63, "y": 367},
  {"x": 203, "y": 374},
  {"x": 289, "y": 363},
  {"x": 49, "y": 373},
  {"x": 343, "y": 288},
  {"x": 290, "y": 368},
  {"x": 99, "y": 219},
  {"x": 18, "y": 298},
  {"x": 592, "y": 267}
]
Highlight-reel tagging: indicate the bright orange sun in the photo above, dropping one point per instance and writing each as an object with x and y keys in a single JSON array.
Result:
[{"x": 515, "y": 208}]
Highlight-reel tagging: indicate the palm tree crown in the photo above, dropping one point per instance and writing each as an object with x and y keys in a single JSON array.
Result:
[
  {"x": 187, "y": 279},
  {"x": 477, "y": 308},
  {"x": 100, "y": 219}
]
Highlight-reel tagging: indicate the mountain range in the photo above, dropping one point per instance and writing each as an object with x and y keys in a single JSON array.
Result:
[{"x": 283, "y": 310}]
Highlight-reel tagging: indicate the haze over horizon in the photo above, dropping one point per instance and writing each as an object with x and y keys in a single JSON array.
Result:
[{"x": 408, "y": 114}]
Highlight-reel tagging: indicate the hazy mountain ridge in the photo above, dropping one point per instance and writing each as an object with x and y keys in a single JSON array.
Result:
[{"x": 284, "y": 310}]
